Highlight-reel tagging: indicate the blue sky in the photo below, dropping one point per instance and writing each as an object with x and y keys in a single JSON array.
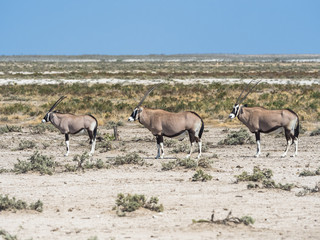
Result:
[{"x": 132, "y": 27}]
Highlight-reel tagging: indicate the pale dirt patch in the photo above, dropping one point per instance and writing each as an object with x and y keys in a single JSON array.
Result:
[
  {"x": 156, "y": 81},
  {"x": 79, "y": 205}
]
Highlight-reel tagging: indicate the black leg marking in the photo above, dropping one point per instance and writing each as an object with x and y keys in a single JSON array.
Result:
[
  {"x": 67, "y": 140},
  {"x": 159, "y": 139},
  {"x": 257, "y": 136},
  {"x": 90, "y": 133},
  {"x": 192, "y": 136},
  {"x": 288, "y": 134}
]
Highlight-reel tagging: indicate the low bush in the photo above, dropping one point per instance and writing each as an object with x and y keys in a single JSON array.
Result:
[
  {"x": 130, "y": 203},
  {"x": 237, "y": 138},
  {"x": 201, "y": 176},
  {"x": 26, "y": 144},
  {"x": 264, "y": 177},
  {"x": 42, "y": 128},
  {"x": 308, "y": 190},
  {"x": 315, "y": 132},
  {"x": 36, "y": 163},
  {"x": 7, "y": 203},
  {"x": 7, "y": 128},
  {"x": 84, "y": 162},
  {"x": 185, "y": 163},
  {"x": 130, "y": 158},
  {"x": 307, "y": 173},
  {"x": 7, "y": 236},
  {"x": 246, "y": 220},
  {"x": 257, "y": 175}
]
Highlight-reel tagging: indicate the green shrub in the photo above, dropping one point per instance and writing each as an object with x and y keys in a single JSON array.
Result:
[
  {"x": 237, "y": 138},
  {"x": 130, "y": 158},
  {"x": 185, "y": 163},
  {"x": 307, "y": 173},
  {"x": 201, "y": 176},
  {"x": 168, "y": 166},
  {"x": 42, "y": 128},
  {"x": 180, "y": 147},
  {"x": 246, "y": 220},
  {"x": 37, "y": 163},
  {"x": 257, "y": 175},
  {"x": 263, "y": 176},
  {"x": 307, "y": 190},
  {"x": 11, "y": 204},
  {"x": 7, "y": 128},
  {"x": 7, "y": 236},
  {"x": 37, "y": 206},
  {"x": 315, "y": 132},
  {"x": 7, "y": 203},
  {"x": 26, "y": 144},
  {"x": 132, "y": 203}
]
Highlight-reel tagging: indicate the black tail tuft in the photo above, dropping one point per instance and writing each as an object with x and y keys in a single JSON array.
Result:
[
  {"x": 95, "y": 129},
  {"x": 297, "y": 130},
  {"x": 202, "y": 128},
  {"x": 202, "y": 124}
]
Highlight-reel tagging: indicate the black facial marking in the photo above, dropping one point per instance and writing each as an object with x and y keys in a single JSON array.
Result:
[
  {"x": 46, "y": 117},
  {"x": 134, "y": 113}
]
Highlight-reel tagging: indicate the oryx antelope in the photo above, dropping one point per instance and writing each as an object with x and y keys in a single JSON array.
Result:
[
  {"x": 72, "y": 124},
  {"x": 261, "y": 120},
  {"x": 162, "y": 123}
]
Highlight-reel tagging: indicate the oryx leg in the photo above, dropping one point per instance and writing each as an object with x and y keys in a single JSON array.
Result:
[
  {"x": 160, "y": 146},
  {"x": 289, "y": 142},
  {"x": 296, "y": 145},
  {"x": 67, "y": 144},
  {"x": 258, "y": 144},
  {"x": 199, "y": 148},
  {"x": 193, "y": 139},
  {"x": 92, "y": 142}
]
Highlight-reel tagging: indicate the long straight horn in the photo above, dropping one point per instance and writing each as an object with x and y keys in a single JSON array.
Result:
[
  {"x": 246, "y": 88},
  {"x": 146, "y": 95},
  {"x": 249, "y": 92},
  {"x": 57, "y": 102}
]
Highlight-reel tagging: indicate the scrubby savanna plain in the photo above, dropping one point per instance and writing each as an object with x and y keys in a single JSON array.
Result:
[{"x": 82, "y": 197}]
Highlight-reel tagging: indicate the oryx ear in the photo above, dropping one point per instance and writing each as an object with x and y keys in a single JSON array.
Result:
[{"x": 140, "y": 109}]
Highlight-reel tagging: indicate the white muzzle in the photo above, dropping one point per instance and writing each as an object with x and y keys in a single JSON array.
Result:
[{"x": 232, "y": 116}]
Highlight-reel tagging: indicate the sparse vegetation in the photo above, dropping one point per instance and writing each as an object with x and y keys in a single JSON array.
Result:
[
  {"x": 130, "y": 203},
  {"x": 7, "y": 128},
  {"x": 84, "y": 162},
  {"x": 7, "y": 203},
  {"x": 201, "y": 176},
  {"x": 237, "y": 138},
  {"x": 41, "y": 128},
  {"x": 315, "y": 132},
  {"x": 308, "y": 190},
  {"x": 264, "y": 177},
  {"x": 187, "y": 163},
  {"x": 7, "y": 236},
  {"x": 246, "y": 220},
  {"x": 130, "y": 158},
  {"x": 26, "y": 144},
  {"x": 307, "y": 173},
  {"x": 36, "y": 163},
  {"x": 116, "y": 101}
]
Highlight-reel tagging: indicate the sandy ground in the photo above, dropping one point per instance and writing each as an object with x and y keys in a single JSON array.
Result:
[
  {"x": 79, "y": 205},
  {"x": 154, "y": 81}
]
